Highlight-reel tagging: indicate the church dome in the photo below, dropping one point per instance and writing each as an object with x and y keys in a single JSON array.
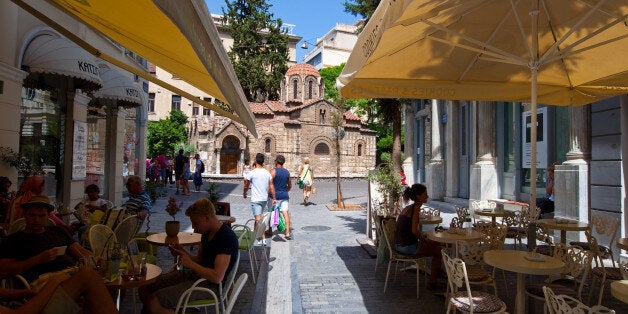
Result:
[{"x": 303, "y": 70}]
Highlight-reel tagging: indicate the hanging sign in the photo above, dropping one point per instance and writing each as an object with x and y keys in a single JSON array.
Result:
[{"x": 79, "y": 151}]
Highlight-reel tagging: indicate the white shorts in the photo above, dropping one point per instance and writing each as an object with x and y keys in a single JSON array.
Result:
[{"x": 283, "y": 204}]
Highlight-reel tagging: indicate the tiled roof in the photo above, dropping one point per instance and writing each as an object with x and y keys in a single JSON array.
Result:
[
  {"x": 303, "y": 70},
  {"x": 351, "y": 116},
  {"x": 260, "y": 108}
]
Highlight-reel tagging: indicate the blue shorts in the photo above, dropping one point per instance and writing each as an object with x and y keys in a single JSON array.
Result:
[
  {"x": 407, "y": 249},
  {"x": 258, "y": 207}
]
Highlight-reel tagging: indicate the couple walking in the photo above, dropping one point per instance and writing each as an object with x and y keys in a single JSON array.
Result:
[{"x": 269, "y": 188}]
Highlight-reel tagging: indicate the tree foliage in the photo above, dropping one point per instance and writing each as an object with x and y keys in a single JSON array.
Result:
[
  {"x": 363, "y": 8},
  {"x": 163, "y": 135},
  {"x": 260, "y": 48}
]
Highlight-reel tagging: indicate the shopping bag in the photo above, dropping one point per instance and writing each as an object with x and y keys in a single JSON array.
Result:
[
  {"x": 281, "y": 227},
  {"x": 275, "y": 217},
  {"x": 300, "y": 183}
]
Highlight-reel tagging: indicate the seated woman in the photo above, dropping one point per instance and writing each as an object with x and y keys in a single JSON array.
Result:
[
  {"x": 87, "y": 207},
  {"x": 409, "y": 238}
]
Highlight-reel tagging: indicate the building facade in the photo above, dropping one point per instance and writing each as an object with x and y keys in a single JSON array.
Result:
[
  {"x": 73, "y": 118},
  {"x": 334, "y": 47},
  {"x": 467, "y": 150}
]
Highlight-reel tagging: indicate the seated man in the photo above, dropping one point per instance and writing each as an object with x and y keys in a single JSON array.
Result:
[
  {"x": 59, "y": 295},
  {"x": 139, "y": 202},
  {"x": 216, "y": 257},
  {"x": 33, "y": 251}
]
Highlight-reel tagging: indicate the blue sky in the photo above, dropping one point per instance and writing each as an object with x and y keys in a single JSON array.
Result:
[{"x": 313, "y": 19}]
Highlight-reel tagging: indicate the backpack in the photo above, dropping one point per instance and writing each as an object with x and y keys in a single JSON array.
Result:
[{"x": 202, "y": 167}]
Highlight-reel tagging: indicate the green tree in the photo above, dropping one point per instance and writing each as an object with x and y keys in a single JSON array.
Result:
[
  {"x": 260, "y": 48},
  {"x": 163, "y": 135},
  {"x": 389, "y": 110}
]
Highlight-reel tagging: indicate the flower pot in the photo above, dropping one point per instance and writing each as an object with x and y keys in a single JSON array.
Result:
[{"x": 172, "y": 228}]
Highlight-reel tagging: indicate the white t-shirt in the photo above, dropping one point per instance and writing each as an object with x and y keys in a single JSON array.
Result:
[{"x": 259, "y": 178}]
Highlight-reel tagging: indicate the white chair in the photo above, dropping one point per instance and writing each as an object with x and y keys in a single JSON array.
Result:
[
  {"x": 603, "y": 226},
  {"x": 101, "y": 239},
  {"x": 473, "y": 256},
  {"x": 389, "y": 227},
  {"x": 467, "y": 300},
  {"x": 559, "y": 304},
  {"x": 601, "y": 271},
  {"x": 126, "y": 230},
  {"x": 213, "y": 301},
  {"x": 246, "y": 242},
  {"x": 113, "y": 217},
  {"x": 237, "y": 287}
]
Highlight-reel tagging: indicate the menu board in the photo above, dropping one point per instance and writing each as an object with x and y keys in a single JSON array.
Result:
[{"x": 79, "y": 151}]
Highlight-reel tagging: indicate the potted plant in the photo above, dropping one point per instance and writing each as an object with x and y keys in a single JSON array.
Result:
[{"x": 172, "y": 227}]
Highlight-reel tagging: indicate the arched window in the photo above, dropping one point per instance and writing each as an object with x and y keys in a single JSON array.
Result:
[
  {"x": 267, "y": 145},
  {"x": 294, "y": 89},
  {"x": 359, "y": 149},
  {"x": 321, "y": 149},
  {"x": 321, "y": 118},
  {"x": 309, "y": 89}
]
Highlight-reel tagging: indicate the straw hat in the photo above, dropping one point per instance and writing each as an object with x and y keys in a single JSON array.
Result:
[{"x": 38, "y": 200}]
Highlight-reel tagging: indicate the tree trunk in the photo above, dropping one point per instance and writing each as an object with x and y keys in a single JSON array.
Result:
[
  {"x": 341, "y": 203},
  {"x": 396, "y": 149}
]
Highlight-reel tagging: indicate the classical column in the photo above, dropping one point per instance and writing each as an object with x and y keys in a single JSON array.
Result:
[
  {"x": 114, "y": 160},
  {"x": 484, "y": 180},
  {"x": 409, "y": 161},
  {"x": 452, "y": 149},
  {"x": 571, "y": 186},
  {"x": 435, "y": 172},
  {"x": 10, "y": 106}
]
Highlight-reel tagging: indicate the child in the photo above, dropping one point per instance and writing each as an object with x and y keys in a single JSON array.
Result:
[{"x": 87, "y": 207}]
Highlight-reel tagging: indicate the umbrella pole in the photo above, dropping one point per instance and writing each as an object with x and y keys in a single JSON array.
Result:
[{"x": 534, "y": 68}]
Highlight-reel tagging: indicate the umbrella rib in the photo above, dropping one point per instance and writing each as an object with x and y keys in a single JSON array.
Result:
[
  {"x": 504, "y": 59},
  {"x": 521, "y": 28},
  {"x": 571, "y": 52},
  {"x": 556, "y": 45},
  {"x": 493, "y": 50}
]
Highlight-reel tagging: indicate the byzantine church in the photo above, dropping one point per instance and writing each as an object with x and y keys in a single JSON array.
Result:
[{"x": 296, "y": 126}]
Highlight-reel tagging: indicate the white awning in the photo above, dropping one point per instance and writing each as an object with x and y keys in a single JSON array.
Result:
[
  {"x": 53, "y": 55},
  {"x": 118, "y": 86}
]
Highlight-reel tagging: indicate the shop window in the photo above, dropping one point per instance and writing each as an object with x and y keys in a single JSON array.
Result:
[
  {"x": 176, "y": 102},
  {"x": 267, "y": 143},
  {"x": 151, "y": 102},
  {"x": 321, "y": 149}
]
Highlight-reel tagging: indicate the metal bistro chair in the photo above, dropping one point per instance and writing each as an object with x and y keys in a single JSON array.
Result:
[
  {"x": 215, "y": 300},
  {"x": 603, "y": 226},
  {"x": 101, "y": 239},
  {"x": 601, "y": 271},
  {"x": 473, "y": 256},
  {"x": 467, "y": 300},
  {"x": 246, "y": 241},
  {"x": 559, "y": 304}
]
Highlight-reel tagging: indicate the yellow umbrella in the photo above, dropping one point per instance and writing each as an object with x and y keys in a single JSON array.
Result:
[
  {"x": 559, "y": 52},
  {"x": 178, "y": 36}
]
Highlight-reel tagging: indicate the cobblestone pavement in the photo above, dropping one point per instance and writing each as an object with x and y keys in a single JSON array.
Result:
[{"x": 324, "y": 269}]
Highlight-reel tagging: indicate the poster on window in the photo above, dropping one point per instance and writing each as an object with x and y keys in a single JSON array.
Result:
[
  {"x": 541, "y": 138},
  {"x": 79, "y": 151}
]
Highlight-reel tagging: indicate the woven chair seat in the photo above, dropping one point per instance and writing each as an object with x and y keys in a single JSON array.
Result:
[
  {"x": 536, "y": 289},
  {"x": 605, "y": 252},
  {"x": 612, "y": 273},
  {"x": 483, "y": 302},
  {"x": 545, "y": 249},
  {"x": 516, "y": 231}
]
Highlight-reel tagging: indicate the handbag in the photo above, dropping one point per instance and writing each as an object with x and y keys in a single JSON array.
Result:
[{"x": 300, "y": 180}]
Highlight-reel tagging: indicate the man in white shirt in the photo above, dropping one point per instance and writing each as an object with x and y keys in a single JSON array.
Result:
[{"x": 261, "y": 186}]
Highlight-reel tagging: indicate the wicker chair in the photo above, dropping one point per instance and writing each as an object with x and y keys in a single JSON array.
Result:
[
  {"x": 389, "y": 226},
  {"x": 467, "y": 300}
]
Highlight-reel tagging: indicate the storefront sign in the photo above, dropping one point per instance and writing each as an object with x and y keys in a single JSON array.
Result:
[
  {"x": 541, "y": 138},
  {"x": 79, "y": 151}
]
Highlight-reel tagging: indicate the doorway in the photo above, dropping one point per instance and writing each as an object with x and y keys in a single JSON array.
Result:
[{"x": 229, "y": 153}]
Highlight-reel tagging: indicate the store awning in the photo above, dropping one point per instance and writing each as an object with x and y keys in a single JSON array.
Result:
[
  {"x": 178, "y": 36},
  {"x": 119, "y": 87},
  {"x": 52, "y": 55}
]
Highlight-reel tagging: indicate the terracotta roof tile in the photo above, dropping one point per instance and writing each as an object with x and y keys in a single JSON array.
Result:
[
  {"x": 303, "y": 70},
  {"x": 260, "y": 108}
]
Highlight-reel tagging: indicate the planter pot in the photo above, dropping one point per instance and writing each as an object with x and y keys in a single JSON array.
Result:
[{"x": 172, "y": 228}]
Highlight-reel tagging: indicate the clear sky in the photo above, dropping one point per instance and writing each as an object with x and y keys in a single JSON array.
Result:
[{"x": 312, "y": 19}]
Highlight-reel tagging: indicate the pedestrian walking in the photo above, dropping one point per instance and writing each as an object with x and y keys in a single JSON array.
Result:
[
  {"x": 261, "y": 186},
  {"x": 179, "y": 161},
  {"x": 198, "y": 177},
  {"x": 246, "y": 169},
  {"x": 306, "y": 179},
  {"x": 282, "y": 185},
  {"x": 184, "y": 180}
]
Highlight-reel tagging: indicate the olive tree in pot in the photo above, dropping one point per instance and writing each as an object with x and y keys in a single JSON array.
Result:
[{"x": 172, "y": 227}]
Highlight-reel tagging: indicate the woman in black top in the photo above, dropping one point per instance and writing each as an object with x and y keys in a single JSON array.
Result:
[{"x": 409, "y": 239}]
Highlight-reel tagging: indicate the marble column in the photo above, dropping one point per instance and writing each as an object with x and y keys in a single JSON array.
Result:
[
  {"x": 484, "y": 180},
  {"x": 571, "y": 186},
  {"x": 452, "y": 150},
  {"x": 435, "y": 172},
  {"x": 10, "y": 106},
  {"x": 409, "y": 161},
  {"x": 114, "y": 161}
]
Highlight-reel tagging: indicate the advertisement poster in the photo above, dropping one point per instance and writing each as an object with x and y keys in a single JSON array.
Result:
[
  {"x": 541, "y": 139},
  {"x": 79, "y": 151}
]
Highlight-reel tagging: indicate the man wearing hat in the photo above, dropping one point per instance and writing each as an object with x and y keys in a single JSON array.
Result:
[{"x": 35, "y": 250}]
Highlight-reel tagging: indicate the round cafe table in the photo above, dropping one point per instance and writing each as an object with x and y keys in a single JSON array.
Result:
[
  {"x": 152, "y": 271},
  {"x": 429, "y": 220},
  {"x": 516, "y": 261},
  {"x": 619, "y": 289},
  {"x": 448, "y": 237},
  {"x": 622, "y": 243},
  {"x": 552, "y": 223},
  {"x": 494, "y": 214},
  {"x": 183, "y": 238}
]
